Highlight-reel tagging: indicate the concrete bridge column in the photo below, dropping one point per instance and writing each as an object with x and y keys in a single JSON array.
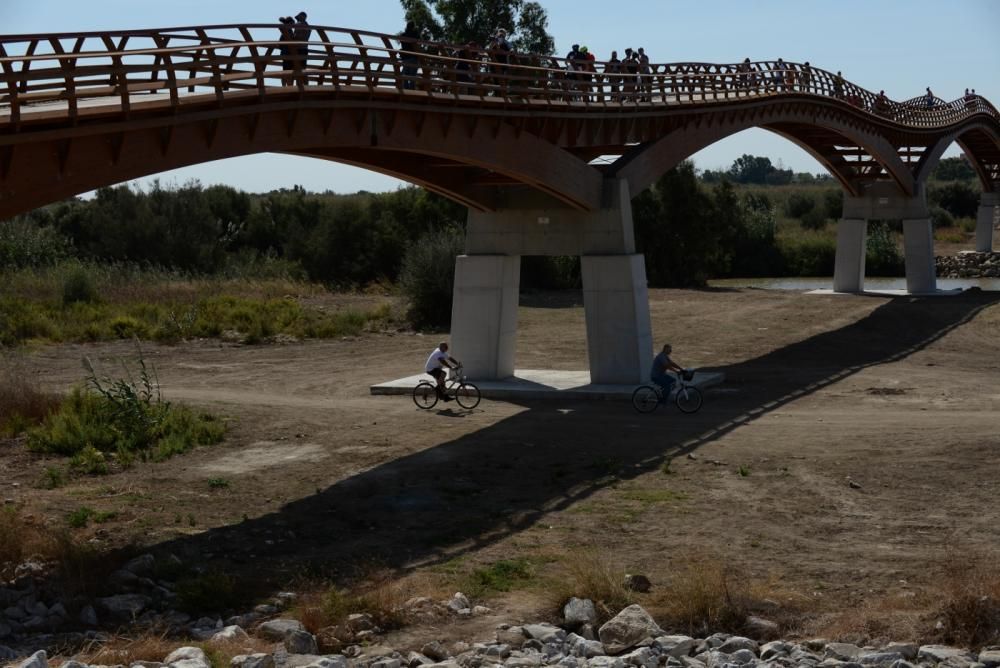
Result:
[
  {"x": 484, "y": 314},
  {"x": 849, "y": 270},
  {"x": 484, "y": 309},
  {"x": 988, "y": 204},
  {"x": 918, "y": 255}
]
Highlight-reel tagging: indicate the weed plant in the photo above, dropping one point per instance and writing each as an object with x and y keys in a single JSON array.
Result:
[{"x": 117, "y": 420}]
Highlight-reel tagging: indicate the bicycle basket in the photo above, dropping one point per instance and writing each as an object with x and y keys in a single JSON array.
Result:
[{"x": 687, "y": 374}]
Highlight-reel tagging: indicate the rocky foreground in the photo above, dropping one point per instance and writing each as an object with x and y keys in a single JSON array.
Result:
[
  {"x": 969, "y": 264},
  {"x": 631, "y": 639}
]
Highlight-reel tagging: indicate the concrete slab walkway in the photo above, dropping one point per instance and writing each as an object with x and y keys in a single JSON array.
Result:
[
  {"x": 543, "y": 384},
  {"x": 891, "y": 293}
]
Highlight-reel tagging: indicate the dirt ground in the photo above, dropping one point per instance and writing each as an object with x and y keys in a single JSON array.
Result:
[{"x": 851, "y": 452}]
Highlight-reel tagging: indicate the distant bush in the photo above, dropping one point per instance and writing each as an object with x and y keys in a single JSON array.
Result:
[
  {"x": 882, "y": 256},
  {"x": 813, "y": 219},
  {"x": 24, "y": 244},
  {"x": 958, "y": 198},
  {"x": 428, "y": 277},
  {"x": 940, "y": 217},
  {"x": 78, "y": 287},
  {"x": 799, "y": 205},
  {"x": 833, "y": 204},
  {"x": 809, "y": 255}
]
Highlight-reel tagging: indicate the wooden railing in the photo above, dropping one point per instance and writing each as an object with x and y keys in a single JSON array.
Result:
[{"x": 73, "y": 72}]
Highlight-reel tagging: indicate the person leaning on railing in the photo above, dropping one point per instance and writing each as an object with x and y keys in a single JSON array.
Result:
[
  {"x": 300, "y": 33},
  {"x": 408, "y": 48}
]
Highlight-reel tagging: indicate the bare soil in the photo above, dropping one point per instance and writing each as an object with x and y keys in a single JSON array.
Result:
[{"x": 850, "y": 454}]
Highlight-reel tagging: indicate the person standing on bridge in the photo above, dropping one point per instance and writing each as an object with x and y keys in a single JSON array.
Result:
[
  {"x": 929, "y": 98},
  {"x": 287, "y": 64},
  {"x": 300, "y": 33},
  {"x": 612, "y": 72},
  {"x": 408, "y": 48}
]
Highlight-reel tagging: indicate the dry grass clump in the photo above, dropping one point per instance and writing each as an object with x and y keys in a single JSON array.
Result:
[
  {"x": 706, "y": 595},
  {"x": 125, "y": 650},
  {"x": 591, "y": 575},
  {"x": 19, "y": 539},
  {"x": 967, "y": 613},
  {"x": 375, "y": 592},
  {"x": 22, "y": 403},
  {"x": 897, "y": 617}
]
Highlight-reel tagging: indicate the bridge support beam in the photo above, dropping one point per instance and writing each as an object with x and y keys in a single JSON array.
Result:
[
  {"x": 616, "y": 301},
  {"x": 883, "y": 201},
  {"x": 918, "y": 255},
  {"x": 484, "y": 314},
  {"x": 849, "y": 270},
  {"x": 984, "y": 221}
]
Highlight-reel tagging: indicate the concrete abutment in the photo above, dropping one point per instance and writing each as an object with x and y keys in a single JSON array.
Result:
[{"x": 985, "y": 221}]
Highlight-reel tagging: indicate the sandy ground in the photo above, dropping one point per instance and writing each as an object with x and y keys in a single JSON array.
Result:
[{"x": 899, "y": 396}]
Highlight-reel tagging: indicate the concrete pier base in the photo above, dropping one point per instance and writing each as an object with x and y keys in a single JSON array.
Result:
[
  {"x": 616, "y": 302},
  {"x": 984, "y": 222},
  {"x": 918, "y": 255},
  {"x": 484, "y": 314},
  {"x": 849, "y": 270}
]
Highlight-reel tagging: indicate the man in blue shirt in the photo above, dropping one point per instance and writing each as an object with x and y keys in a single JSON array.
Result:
[{"x": 661, "y": 365}]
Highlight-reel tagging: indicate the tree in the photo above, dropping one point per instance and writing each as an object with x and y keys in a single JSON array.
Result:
[
  {"x": 463, "y": 21},
  {"x": 954, "y": 169},
  {"x": 751, "y": 169}
]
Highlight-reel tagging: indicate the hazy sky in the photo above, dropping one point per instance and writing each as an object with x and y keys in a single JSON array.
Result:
[{"x": 901, "y": 46}]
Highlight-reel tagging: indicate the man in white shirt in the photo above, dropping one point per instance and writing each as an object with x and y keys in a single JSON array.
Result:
[{"x": 438, "y": 361}]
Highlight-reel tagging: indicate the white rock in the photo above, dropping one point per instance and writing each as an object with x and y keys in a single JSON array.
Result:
[
  {"x": 879, "y": 658},
  {"x": 229, "y": 633},
  {"x": 277, "y": 628},
  {"x": 546, "y": 633},
  {"x": 676, "y": 646},
  {"x": 939, "y": 653},
  {"x": 186, "y": 654},
  {"x": 842, "y": 651},
  {"x": 37, "y": 660},
  {"x": 629, "y": 628},
  {"x": 644, "y": 657},
  {"x": 252, "y": 661},
  {"x": 990, "y": 658},
  {"x": 459, "y": 602},
  {"x": 736, "y": 643},
  {"x": 579, "y": 611}
]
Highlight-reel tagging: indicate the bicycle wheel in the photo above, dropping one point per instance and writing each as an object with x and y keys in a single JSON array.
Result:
[
  {"x": 645, "y": 399},
  {"x": 467, "y": 395},
  {"x": 688, "y": 399},
  {"x": 425, "y": 395}
]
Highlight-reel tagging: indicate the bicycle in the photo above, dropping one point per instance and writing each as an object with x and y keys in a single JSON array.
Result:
[
  {"x": 467, "y": 395},
  {"x": 688, "y": 398}
]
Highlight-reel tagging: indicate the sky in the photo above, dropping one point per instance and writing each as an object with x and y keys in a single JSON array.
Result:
[{"x": 901, "y": 46}]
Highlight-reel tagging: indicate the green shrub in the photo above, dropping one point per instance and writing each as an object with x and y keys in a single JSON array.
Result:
[
  {"x": 809, "y": 255},
  {"x": 78, "y": 287},
  {"x": 940, "y": 217},
  {"x": 799, "y": 204},
  {"x": 26, "y": 244},
  {"x": 79, "y": 518},
  {"x": 882, "y": 256},
  {"x": 967, "y": 225},
  {"x": 428, "y": 278},
  {"x": 209, "y": 592},
  {"x": 813, "y": 219},
  {"x": 127, "y": 327},
  {"x": 833, "y": 204},
  {"x": 123, "y": 418}
]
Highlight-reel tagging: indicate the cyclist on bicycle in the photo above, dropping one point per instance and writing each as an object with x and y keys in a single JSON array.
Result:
[
  {"x": 661, "y": 365},
  {"x": 438, "y": 361}
]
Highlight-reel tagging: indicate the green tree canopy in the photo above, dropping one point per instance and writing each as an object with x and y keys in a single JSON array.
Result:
[{"x": 463, "y": 21}]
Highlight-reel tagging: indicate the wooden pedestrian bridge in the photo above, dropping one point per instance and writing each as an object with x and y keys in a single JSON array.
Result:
[{"x": 546, "y": 157}]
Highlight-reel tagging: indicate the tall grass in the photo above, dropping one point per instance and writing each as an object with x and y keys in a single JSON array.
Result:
[
  {"x": 22, "y": 402},
  {"x": 74, "y": 301}
]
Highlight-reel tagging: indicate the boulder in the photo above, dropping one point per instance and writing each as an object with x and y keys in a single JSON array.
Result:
[
  {"x": 458, "y": 602},
  {"x": 37, "y": 660},
  {"x": 990, "y": 658},
  {"x": 276, "y": 629},
  {"x": 736, "y": 643},
  {"x": 879, "y": 658},
  {"x": 435, "y": 651},
  {"x": 545, "y": 633},
  {"x": 905, "y": 649},
  {"x": 299, "y": 641},
  {"x": 579, "y": 611},
  {"x": 629, "y": 628},
  {"x": 939, "y": 653},
  {"x": 676, "y": 646},
  {"x": 187, "y": 657},
  {"x": 511, "y": 635},
  {"x": 229, "y": 634},
  {"x": 842, "y": 651},
  {"x": 639, "y": 583},
  {"x": 141, "y": 565},
  {"x": 252, "y": 661},
  {"x": 124, "y": 607}
]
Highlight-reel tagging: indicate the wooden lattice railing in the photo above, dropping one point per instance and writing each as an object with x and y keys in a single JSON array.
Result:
[{"x": 73, "y": 73}]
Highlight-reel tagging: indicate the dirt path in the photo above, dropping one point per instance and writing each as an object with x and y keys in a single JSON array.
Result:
[{"x": 899, "y": 397}]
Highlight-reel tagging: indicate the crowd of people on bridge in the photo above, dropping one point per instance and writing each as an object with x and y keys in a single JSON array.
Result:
[{"x": 496, "y": 68}]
